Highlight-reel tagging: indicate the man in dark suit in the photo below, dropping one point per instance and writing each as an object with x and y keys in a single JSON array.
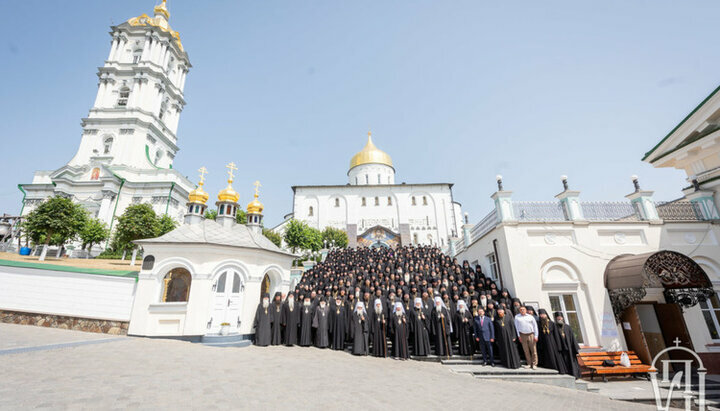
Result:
[{"x": 485, "y": 336}]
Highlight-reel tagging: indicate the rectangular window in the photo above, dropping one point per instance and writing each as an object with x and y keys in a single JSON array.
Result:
[
  {"x": 377, "y": 201},
  {"x": 567, "y": 304},
  {"x": 363, "y": 202},
  {"x": 389, "y": 201},
  {"x": 492, "y": 262},
  {"x": 711, "y": 314}
]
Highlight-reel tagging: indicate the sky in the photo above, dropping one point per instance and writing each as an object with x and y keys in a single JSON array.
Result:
[{"x": 455, "y": 91}]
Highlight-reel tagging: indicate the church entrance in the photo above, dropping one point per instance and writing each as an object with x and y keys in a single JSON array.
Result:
[
  {"x": 378, "y": 236},
  {"x": 227, "y": 299},
  {"x": 650, "y": 324}
]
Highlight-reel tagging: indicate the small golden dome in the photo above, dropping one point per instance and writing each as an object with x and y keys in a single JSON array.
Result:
[
  {"x": 199, "y": 195},
  {"x": 370, "y": 155},
  {"x": 162, "y": 9},
  {"x": 228, "y": 194},
  {"x": 255, "y": 206}
]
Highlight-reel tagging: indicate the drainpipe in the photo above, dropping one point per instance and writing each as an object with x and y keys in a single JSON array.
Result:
[
  {"x": 23, "y": 199},
  {"x": 497, "y": 260},
  {"x": 167, "y": 207},
  {"x": 117, "y": 200}
]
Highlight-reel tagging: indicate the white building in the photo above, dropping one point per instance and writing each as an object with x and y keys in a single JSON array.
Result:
[
  {"x": 375, "y": 211},
  {"x": 129, "y": 138},
  {"x": 635, "y": 274},
  {"x": 208, "y": 273}
]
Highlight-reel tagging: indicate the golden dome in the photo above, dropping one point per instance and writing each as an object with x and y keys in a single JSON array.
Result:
[
  {"x": 370, "y": 155},
  {"x": 228, "y": 194},
  {"x": 199, "y": 195},
  {"x": 255, "y": 206},
  {"x": 160, "y": 20}
]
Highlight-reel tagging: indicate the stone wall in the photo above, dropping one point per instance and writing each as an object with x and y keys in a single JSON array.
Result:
[{"x": 66, "y": 323}]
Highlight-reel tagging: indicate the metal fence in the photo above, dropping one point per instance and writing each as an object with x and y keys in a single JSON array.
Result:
[
  {"x": 679, "y": 211},
  {"x": 609, "y": 211},
  {"x": 538, "y": 211},
  {"x": 484, "y": 226}
]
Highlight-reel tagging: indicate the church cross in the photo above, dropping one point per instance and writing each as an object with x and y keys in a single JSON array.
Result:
[
  {"x": 257, "y": 188},
  {"x": 202, "y": 170},
  {"x": 231, "y": 167},
  {"x": 677, "y": 341}
]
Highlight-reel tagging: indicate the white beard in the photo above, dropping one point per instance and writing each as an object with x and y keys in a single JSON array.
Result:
[
  {"x": 291, "y": 303},
  {"x": 378, "y": 310},
  {"x": 266, "y": 303},
  {"x": 306, "y": 303},
  {"x": 407, "y": 278}
]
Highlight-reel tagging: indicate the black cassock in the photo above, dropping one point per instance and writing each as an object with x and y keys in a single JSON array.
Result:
[
  {"x": 276, "y": 317},
  {"x": 359, "y": 333},
  {"x": 377, "y": 334},
  {"x": 419, "y": 332},
  {"x": 440, "y": 324},
  {"x": 548, "y": 347},
  {"x": 338, "y": 327},
  {"x": 262, "y": 324},
  {"x": 291, "y": 320},
  {"x": 321, "y": 322},
  {"x": 569, "y": 350},
  {"x": 306, "y": 317},
  {"x": 399, "y": 330},
  {"x": 504, "y": 335},
  {"x": 464, "y": 332}
]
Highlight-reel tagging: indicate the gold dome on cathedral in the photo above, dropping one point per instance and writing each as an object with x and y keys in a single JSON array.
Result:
[
  {"x": 370, "y": 155},
  {"x": 228, "y": 194},
  {"x": 198, "y": 195},
  {"x": 255, "y": 206}
]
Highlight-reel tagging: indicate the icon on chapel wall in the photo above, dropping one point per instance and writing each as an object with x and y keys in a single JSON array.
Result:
[{"x": 95, "y": 174}]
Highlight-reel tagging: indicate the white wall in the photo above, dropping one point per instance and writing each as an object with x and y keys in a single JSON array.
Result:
[{"x": 66, "y": 293}]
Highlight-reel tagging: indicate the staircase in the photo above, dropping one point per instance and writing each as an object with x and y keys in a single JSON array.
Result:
[{"x": 230, "y": 340}]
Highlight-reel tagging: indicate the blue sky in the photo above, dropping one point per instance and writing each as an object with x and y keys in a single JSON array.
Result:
[{"x": 455, "y": 91}]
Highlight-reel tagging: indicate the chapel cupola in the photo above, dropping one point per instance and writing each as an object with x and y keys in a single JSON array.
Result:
[
  {"x": 227, "y": 203},
  {"x": 254, "y": 212},
  {"x": 196, "y": 201},
  {"x": 371, "y": 166}
]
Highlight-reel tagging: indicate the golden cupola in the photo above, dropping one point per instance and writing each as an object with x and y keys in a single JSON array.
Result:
[
  {"x": 228, "y": 194},
  {"x": 370, "y": 155},
  {"x": 199, "y": 195},
  {"x": 255, "y": 206}
]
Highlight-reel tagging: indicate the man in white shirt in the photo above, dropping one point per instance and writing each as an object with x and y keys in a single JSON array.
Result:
[{"x": 527, "y": 331}]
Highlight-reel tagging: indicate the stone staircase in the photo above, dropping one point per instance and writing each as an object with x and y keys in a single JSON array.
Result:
[{"x": 231, "y": 340}]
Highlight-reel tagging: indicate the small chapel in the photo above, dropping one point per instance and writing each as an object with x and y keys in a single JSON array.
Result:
[{"x": 206, "y": 277}]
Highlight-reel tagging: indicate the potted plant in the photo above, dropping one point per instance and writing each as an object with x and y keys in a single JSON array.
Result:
[{"x": 224, "y": 328}]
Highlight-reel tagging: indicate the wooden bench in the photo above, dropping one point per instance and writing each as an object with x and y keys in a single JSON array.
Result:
[{"x": 593, "y": 361}]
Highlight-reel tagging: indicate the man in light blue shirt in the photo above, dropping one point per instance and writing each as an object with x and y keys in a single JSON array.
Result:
[{"x": 527, "y": 332}]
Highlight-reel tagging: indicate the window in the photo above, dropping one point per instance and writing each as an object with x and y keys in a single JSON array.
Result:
[
  {"x": 363, "y": 204},
  {"x": 236, "y": 284},
  {"x": 492, "y": 261},
  {"x": 413, "y": 201},
  {"x": 367, "y": 179},
  {"x": 107, "y": 145},
  {"x": 377, "y": 201},
  {"x": 424, "y": 200},
  {"x": 220, "y": 284},
  {"x": 148, "y": 262},
  {"x": 310, "y": 211},
  {"x": 378, "y": 178},
  {"x": 337, "y": 202},
  {"x": 158, "y": 156},
  {"x": 123, "y": 96},
  {"x": 389, "y": 201},
  {"x": 566, "y": 304},
  {"x": 136, "y": 56},
  {"x": 356, "y": 180},
  {"x": 163, "y": 109},
  {"x": 176, "y": 286},
  {"x": 711, "y": 313}
]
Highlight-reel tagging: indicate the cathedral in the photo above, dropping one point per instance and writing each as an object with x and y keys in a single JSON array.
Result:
[
  {"x": 129, "y": 138},
  {"x": 375, "y": 211}
]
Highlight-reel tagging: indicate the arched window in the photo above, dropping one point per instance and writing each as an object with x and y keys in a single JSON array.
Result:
[
  {"x": 377, "y": 201},
  {"x": 337, "y": 202},
  {"x": 158, "y": 156},
  {"x": 378, "y": 178},
  {"x": 148, "y": 262},
  {"x": 176, "y": 286},
  {"x": 136, "y": 55},
  {"x": 163, "y": 109},
  {"x": 356, "y": 180},
  {"x": 363, "y": 202},
  {"x": 310, "y": 211},
  {"x": 413, "y": 201},
  {"x": 123, "y": 96},
  {"x": 107, "y": 145},
  {"x": 424, "y": 200},
  {"x": 367, "y": 179},
  {"x": 389, "y": 200}
]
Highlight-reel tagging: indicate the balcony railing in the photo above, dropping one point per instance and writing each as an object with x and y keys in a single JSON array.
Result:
[
  {"x": 679, "y": 211},
  {"x": 609, "y": 211},
  {"x": 538, "y": 211},
  {"x": 484, "y": 226}
]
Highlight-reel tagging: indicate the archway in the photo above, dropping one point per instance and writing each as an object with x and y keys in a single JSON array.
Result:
[{"x": 265, "y": 286}]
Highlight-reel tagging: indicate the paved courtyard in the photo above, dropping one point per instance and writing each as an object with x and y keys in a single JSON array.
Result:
[{"x": 61, "y": 369}]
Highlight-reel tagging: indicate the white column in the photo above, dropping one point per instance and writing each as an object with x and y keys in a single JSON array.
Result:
[
  {"x": 182, "y": 80},
  {"x": 100, "y": 93},
  {"x": 120, "y": 52},
  {"x": 133, "y": 93},
  {"x": 146, "y": 48},
  {"x": 113, "y": 48}
]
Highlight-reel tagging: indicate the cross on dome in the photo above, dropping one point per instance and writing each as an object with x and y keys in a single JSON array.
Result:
[
  {"x": 257, "y": 188},
  {"x": 202, "y": 171},
  {"x": 231, "y": 167}
]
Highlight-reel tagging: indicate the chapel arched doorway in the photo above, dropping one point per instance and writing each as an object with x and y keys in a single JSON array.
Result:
[
  {"x": 671, "y": 281},
  {"x": 228, "y": 290}
]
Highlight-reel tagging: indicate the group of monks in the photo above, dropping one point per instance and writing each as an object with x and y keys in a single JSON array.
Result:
[{"x": 408, "y": 301}]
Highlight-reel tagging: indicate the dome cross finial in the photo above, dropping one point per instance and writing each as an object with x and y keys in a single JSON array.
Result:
[
  {"x": 257, "y": 188},
  {"x": 202, "y": 170},
  {"x": 231, "y": 167}
]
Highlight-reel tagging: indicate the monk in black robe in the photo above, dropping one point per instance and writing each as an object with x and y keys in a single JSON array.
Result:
[
  {"x": 569, "y": 347},
  {"x": 399, "y": 330},
  {"x": 441, "y": 325},
  {"x": 359, "y": 330},
  {"x": 338, "y": 325},
  {"x": 505, "y": 337},
  {"x": 548, "y": 343},
  {"x": 464, "y": 332},
  {"x": 321, "y": 324},
  {"x": 263, "y": 323},
  {"x": 306, "y": 317},
  {"x": 378, "y": 326},
  {"x": 290, "y": 319},
  {"x": 419, "y": 330},
  {"x": 276, "y": 319}
]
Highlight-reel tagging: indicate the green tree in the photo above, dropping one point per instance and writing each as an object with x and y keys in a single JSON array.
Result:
[
  {"x": 94, "y": 231},
  {"x": 313, "y": 239},
  {"x": 211, "y": 214},
  {"x": 55, "y": 220},
  {"x": 273, "y": 236},
  {"x": 137, "y": 222},
  {"x": 295, "y": 234},
  {"x": 241, "y": 216},
  {"x": 165, "y": 225},
  {"x": 331, "y": 234}
]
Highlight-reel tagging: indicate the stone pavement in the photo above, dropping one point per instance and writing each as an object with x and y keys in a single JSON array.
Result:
[{"x": 127, "y": 372}]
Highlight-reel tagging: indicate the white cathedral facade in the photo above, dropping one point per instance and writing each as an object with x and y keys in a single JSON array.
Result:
[
  {"x": 129, "y": 138},
  {"x": 375, "y": 211}
]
